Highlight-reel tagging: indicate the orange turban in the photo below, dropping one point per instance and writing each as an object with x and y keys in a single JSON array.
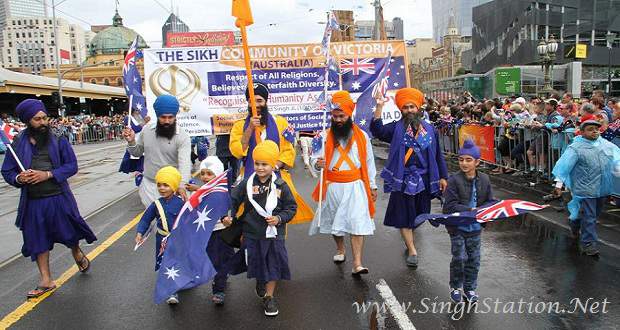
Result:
[
  {"x": 342, "y": 100},
  {"x": 266, "y": 151},
  {"x": 409, "y": 95}
]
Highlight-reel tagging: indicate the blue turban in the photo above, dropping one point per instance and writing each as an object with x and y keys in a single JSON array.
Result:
[
  {"x": 470, "y": 149},
  {"x": 166, "y": 105},
  {"x": 27, "y": 108}
]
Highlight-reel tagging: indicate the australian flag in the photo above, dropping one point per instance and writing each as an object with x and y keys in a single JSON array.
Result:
[
  {"x": 317, "y": 142},
  {"x": 132, "y": 79},
  {"x": 373, "y": 84},
  {"x": 185, "y": 263},
  {"x": 493, "y": 211},
  {"x": 289, "y": 134}
]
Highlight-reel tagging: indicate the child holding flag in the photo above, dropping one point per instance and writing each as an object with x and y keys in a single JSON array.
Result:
[
  {"x": 467, "y": 190},
  {"x": 268, "y": 206},
  {"x": 219, "y": 252},
  {"x": 164, "y": 210}
]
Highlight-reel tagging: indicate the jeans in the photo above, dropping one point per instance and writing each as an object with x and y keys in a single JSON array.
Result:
[
  {"x": 465, "y": 262},
  {"x": 591, "y": 209}
]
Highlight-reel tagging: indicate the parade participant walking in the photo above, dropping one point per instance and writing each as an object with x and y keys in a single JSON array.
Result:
[
  {"x": 47, "y": 212},
  {"x": 305, "y": 141},
  {"x": 349, "y": 188},
  {"x": 164, "y": 210},
  {"x": 162, "y": 144},
  {"x": 467, "y": 189},
  {"x": 415, "y": 171},
  {"x": 269, "y": 206},
  {"x": 219, "y": 252},
  {"x": 222, "y": 151},
  {"x": 587, "y": 168},
  {"x": 269, "y": 127}
]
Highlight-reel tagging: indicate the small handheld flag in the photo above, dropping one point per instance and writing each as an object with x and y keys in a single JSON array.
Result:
[{"x": 7, "y": 139}]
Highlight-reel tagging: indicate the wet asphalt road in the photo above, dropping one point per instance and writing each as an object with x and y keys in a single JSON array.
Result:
[{"x": 521, "y": 259}]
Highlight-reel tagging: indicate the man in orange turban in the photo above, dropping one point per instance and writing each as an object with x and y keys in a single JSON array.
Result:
[
  {"x": 348, "y": 183},
  {"x": 415, "y": 171}
]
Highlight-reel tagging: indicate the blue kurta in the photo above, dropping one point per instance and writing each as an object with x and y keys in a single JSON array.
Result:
[
  {"x": 171, "y": 207},
  {"x": 404, "y": 207},
  {"x": 48, "y": 220}
]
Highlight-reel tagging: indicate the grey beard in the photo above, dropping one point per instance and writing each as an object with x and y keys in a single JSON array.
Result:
[{"x": 412, "y": 120}]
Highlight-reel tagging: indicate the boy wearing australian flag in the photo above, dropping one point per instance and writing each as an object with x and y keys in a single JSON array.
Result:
[
  {"x": 164, "y": 210},
  {"x": 219, "y": 252},
  {"x": 269, "y": 205},
  {"x": 467, "y": 189}
]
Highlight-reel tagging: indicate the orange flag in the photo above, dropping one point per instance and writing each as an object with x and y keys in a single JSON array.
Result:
[{"x": 241, "y": 10}]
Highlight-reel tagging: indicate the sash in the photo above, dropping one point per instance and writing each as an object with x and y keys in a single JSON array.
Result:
[
  {"x": 270, "y": 204},
  {"x": 164, "y": 221}
]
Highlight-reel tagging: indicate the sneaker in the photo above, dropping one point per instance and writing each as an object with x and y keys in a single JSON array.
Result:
[
  {"x": 173, "y": 300},
  {"x": 270, "y": 306},
  {"x": 339, "y": 258},
  {"x": 471, "y": 296},
  {"x": 218, "y": 298},
  {"x": 260, "y": 289},
  {"x": 456, "y": 295},
  {"x": 589, "y": 250}
]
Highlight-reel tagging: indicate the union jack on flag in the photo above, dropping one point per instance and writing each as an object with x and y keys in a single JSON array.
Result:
[
  {"x": 8, "y": 133},
  {"x": 506, "y": 209},
  {"x": 492, "y": 211},
  {"x": 289, "y": 134},
  {"x": 356, "y": 65}
]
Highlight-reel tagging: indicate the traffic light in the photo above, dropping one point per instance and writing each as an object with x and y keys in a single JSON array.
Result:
[{"x": 55, "y": 99}]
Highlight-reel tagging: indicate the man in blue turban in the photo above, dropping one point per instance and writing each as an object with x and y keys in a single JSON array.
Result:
[
  {"x": 47, "y": 212},
  {"x": 162, "y": 143}
]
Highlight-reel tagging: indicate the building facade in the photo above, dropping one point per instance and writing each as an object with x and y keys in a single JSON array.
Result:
[
  {"x": 106, "y": 53},
  {"x": 28, "y": 43},
  {"x": 173, "y": 24},
  {"x": 513, "y": 39},
  {"x": 445, "y": 60},
  {"x": 393, "y": 29},
  {"x": 461, "y": 9},
  {"x": 21, "y": 8}
]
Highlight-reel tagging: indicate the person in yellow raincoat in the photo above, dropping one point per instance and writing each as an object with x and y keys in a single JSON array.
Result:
[{"x": 275, "y": 128}]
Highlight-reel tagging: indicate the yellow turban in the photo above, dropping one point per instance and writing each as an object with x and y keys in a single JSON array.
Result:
[
  {"x": 342, "y": 100},
  {"x": 170, "y": 176},
  {"x": 266, "y": 151},
  {"x": 409, "y": 95}
]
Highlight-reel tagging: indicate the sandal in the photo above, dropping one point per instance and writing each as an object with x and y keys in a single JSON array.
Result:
[
  {"x": 359, "y": 270},
  {"x": 80, "y": 263},
  {"x": 39, "y": 291}
]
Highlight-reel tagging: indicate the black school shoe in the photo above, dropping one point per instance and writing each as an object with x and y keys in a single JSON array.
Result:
[{"x": 270, "y": 306}]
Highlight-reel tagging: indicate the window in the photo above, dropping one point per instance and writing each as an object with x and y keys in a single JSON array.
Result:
[
  {"x": 106, "y": 82},
  {"x": 10, "y": 44},
  {"x": 600, "y": 38},
  {"x": 93, "y": 81},
  {"x": 119, "y": 82},
  {"x": 8, "y": 50},
  {"x": 17, "y": 35}
]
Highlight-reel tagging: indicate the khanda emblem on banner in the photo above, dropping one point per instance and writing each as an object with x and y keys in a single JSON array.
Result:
[{"x": 183, "y": 83}]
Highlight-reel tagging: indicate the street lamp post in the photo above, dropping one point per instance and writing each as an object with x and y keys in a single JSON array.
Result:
[
  {"x": 611, "y": 37},
  {"x": 61, "y": 106},
  {"x": 546, "y": 50}
]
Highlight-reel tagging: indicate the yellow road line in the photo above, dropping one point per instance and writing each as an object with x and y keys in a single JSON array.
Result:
[{"x": 30, "y": 304}]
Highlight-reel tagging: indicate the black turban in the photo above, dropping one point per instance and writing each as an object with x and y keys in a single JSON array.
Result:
[{"x": 259, "y": 89}]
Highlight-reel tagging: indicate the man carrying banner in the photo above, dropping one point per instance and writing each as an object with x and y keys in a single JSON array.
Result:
[
  {"x": 274, "y": 128},
  {"x": 162, "y": 144},
  {"x": 415, "y": 171},
  {"x": 349, "y": 188},
  {"x": 48, "y": 212}
]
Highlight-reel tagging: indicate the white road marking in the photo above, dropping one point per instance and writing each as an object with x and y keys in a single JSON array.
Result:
[{"x": 393, "y": 306}]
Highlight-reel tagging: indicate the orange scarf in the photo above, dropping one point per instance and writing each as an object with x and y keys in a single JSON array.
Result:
[{"x": 347, "y": 176}]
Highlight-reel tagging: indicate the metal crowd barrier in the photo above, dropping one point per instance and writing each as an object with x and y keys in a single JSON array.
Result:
[
  {"x": 526, "y": 151},
  {"x": 93, "y": 134}
]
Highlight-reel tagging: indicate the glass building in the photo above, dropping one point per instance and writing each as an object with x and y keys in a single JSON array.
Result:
[{"x": 462, "y": 10}]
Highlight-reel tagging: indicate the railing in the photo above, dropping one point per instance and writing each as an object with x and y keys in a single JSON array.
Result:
[{"x": 91, "y": 134}]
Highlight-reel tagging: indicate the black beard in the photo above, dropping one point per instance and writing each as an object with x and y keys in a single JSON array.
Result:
[
  {"x": 342, "y": 132},
  {"x": 41, "y": 135},
  {"x": 263, "y": 112},
  {"x": 412, "y": 119},
  {"x": 166, "y": 130}
]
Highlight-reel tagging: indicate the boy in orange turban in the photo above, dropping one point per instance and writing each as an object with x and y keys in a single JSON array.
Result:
[
  {"x": 415, "y": 171},
  {"x": 348, "y": 183}
]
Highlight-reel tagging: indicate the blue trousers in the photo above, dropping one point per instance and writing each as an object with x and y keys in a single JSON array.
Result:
[
  {"x": 220, "y": 254},
  {"x": 591, "y": 209},
  {"x": 465, "y": 262}
]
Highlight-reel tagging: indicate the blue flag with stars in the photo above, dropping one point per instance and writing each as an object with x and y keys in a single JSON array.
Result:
[
  {"x": 366, "y": 102},
  {"x": 185, "y": 263},
  {"x": 132, "y": 79}
]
